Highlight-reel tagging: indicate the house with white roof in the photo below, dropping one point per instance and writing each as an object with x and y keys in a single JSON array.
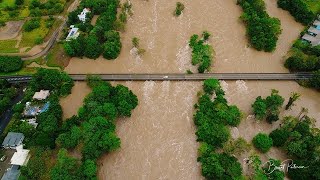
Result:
[
  {"x": 73, "y": 33},
  {"x": 83, "y": 14},
  {"x": 21, "y": 157},
  {"x": 41, "y": 95}
]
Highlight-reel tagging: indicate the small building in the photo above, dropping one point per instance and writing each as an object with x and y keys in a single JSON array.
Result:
[
  {"x": 13, "y": 140},
  {"x": 32, "y": 122},
  {"x": 41, "y": 95},
  {"x": 11, "y": 173},
  {"x": 73, "y": 34},
  {"x": 313, "y": 33},
  {"x": 21, "y": 157},
  {"x": 83, "y": 14}
]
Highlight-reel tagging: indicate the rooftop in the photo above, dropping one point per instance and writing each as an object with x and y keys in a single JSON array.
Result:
[
  {"x": 12, "y": 173},
  {"x": 13, "y": 139},
  {"x": 41, "y": 95},
  {"x": 20, "y": 157}
]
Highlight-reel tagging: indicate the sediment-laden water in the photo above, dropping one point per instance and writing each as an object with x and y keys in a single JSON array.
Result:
[{"x": 158, "y": 141}]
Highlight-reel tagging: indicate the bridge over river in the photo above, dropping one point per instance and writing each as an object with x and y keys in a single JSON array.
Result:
[{"x": 180, "y": 77}]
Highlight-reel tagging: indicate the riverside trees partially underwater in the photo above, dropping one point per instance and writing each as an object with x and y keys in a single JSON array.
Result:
[
  {"x": 212, "y": 119},
  {"x": 92, "y": 130},
  {"x": 262, "y": 30},
  {"x": 102, "y": 38}
]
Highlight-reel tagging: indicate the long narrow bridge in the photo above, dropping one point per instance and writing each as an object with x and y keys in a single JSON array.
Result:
[{"x": 180, "y": 77}]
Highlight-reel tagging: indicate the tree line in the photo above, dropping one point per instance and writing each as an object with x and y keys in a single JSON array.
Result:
[
  {"x": 303, "y": 57},
  {"x": 103, "y": 38},
  {"x": 7, "y": 92},
  {"x": 300, "y": 139},
  {"x": 51, "y": 7},
  {"x": 10, "y": 64},
  {"x": 298, "y": 9},
  {"x": 212, "y": 118},
  {"x": 262, "y": 30}
]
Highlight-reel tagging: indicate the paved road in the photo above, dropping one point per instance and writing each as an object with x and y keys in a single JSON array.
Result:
[
  {"x": 6, "y": 115},
  {"x": 181, "y": 77}
]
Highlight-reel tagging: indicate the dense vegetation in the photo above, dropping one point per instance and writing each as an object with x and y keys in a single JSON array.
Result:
[
  {"x": 268, "y": 108},
  {"x": 93, "y": 129},
  {"x": 262, "y": 142},
  {"x": 102, "y": 38},
  {"x": 10, "y": 64},
  {"x": 267, "y": 170},
  {"x": 50, "y": 7},
  {"x": 31, "y": 24},
  {"x": 21, "y": 9},
  {"x": 212, "y": 119},
  {"x": 8, "y": 92},
  {"x": 299, "y": 10},
  {"x": 53, "y": 80},
  {"x": 202, "y": 52},
  {"x": 303, "y": 57},
  {"x": 262, "y": 30},
  {"x": 301, "y": 141}
]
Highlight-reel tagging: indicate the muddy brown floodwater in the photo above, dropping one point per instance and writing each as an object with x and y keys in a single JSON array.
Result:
[
  {"x": 158, "y": 141},
  {"x": 166, "y": 37}
]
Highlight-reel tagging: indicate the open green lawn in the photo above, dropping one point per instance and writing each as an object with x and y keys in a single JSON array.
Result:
[
  {"x": 8, "y": 46},
  {"x": 29, "y": 38},
  {"x": 314, "y": 5},
  {"x": 6, "y": 3},
  {"x": 57, "y": 57}
]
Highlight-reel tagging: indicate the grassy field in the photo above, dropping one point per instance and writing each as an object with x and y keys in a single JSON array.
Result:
[
  {"x": 5, "y": 3},
  {"x": 8, "y": 46},
  {"x": 57, "y": 57},
  {"x": 314, "y": 5},
  {"x": 29, "y": 38}
]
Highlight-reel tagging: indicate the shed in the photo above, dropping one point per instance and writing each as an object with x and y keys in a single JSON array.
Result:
[
  {"x": 41, "y": 95},
  {"x": 12, "y": 173},
  {"x": 13, "y": 140},
  {"x": 21, "y": 157}
]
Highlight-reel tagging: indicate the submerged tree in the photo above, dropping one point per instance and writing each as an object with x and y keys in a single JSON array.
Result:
[{"x": 294, "y": 97}]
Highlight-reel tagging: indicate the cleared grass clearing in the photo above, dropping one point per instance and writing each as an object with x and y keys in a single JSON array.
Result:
[
  {"x": 29, "y": 38},
  {"x": 6, "y": 3},
  {"x": 8, "y": 46},
  {"x": 57, "y": 57},
  {"x": 314, "y": 5}
]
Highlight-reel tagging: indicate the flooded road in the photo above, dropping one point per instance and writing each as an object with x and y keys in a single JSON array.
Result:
[
  {"x": 158, "y": 141},
  {"x": 165, "y": 39}
]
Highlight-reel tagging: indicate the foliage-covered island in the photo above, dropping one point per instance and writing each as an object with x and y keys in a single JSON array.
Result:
[
  {"x": 202, "y": 52},
  {"x": 262, "y": 30},
  {"x": 212, "y": 119}
]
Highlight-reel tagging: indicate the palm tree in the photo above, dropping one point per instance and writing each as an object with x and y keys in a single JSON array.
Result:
[{"x": 294, "y": 96}]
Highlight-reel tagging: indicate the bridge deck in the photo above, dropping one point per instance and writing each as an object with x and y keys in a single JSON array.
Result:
[{"x": 181, "y": 77}]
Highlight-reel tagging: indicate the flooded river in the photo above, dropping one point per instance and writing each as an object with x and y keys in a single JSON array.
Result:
[
  {"x": 166, "y": 37},
  {"x": 158, "y": 141}
]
